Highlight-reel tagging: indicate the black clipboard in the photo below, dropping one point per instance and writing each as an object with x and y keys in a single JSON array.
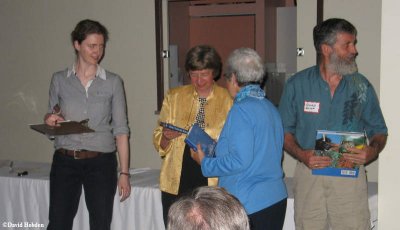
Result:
[{"x": 63, "y": 128}]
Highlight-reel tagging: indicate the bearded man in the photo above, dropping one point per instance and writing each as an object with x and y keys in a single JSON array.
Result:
[{"x": 331, "y": 95}]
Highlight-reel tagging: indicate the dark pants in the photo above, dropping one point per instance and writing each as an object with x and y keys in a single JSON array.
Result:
[
  {"x": 191, "y": 178},
  {"x": 271, "y": 218},
  {"x": 98, "y": 176},
  {"x": 167, "y": 200}
]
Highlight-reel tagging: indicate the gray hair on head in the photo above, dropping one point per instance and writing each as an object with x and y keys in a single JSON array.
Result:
[
  {"x": 326, "y": 32},
  {"x": 247, "y": 65},
  {"x": 208, "y": 208}
]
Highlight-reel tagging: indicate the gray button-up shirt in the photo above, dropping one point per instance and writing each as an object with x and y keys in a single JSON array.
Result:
[{"x": 103, "y": 103}]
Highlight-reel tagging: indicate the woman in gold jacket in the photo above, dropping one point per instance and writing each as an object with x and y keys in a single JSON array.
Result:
[{"x": 202, "y": 102}]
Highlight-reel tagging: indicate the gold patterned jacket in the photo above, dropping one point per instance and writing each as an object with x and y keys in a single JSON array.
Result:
[{"x": 179, "y": 108}]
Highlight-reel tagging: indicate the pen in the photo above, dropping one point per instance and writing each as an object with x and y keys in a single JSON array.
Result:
[{"x": 56, "y": 111}]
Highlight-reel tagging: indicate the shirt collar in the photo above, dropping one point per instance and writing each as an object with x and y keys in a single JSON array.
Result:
[
  {"x": 196, "y": 95},
  {"x": 101, "y": 72}
]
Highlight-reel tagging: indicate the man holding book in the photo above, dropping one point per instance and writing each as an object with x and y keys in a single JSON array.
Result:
[{"x": 331, "y": 96}]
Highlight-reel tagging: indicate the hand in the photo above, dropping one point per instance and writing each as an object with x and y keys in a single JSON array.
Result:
[
  {"x": 314, "y": 162},
  {"x": 167, "y": 136},
  {"x": 52, "y": 119},
  {"x": 170, "y": 134},
  {"x": 124, "y": 187},
  {"x": 361, "y": 156},
  {"x": 197, "y": 156}
]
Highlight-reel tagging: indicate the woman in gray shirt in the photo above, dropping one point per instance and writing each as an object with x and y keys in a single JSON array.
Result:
[{"x": 87, "y": 91}]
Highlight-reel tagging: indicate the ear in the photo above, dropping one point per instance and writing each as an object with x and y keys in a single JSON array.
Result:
[
  {"x": 234, "y": 80},
  {"x": 77, "y": 46},
  {"x": 326, "y": 50}
]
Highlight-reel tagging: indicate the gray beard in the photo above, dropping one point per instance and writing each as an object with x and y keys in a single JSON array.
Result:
[{"x": 341, "y": 66}]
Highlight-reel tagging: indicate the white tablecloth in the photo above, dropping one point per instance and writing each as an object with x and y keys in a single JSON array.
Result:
[{"x": 24, "y": 200}]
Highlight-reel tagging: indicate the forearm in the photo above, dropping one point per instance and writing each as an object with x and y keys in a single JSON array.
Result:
[
  {"x": 292, "y": 147},
  {"x": 123, "y": 152},
  {"x": 376, "y": 143}
]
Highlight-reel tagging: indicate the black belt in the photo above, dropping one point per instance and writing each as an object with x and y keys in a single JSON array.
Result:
[{"x": 79, "y": 153}]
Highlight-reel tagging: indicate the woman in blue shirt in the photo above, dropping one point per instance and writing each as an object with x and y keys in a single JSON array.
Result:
[{"x": 249, "y": 150}]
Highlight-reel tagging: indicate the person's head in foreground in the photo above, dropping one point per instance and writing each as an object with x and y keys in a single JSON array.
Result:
[{"x": 208, "y": 208}]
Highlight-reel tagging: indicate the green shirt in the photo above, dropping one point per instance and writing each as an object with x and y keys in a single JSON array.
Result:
[{"x": 307, "y": 106}]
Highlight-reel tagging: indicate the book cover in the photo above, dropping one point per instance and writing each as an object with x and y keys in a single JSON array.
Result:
[
  {"x": 173, "y": 127},
  {"x": 334, "y": 144},
  {"x": 63, "y": 128},
  {"x": 196, "y": 135}
]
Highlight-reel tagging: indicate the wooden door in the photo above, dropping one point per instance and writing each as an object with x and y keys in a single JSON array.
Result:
[{"x": 225, "y": 33}]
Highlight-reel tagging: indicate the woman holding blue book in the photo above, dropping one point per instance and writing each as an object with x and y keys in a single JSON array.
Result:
[{"x": 202, "y": 102}]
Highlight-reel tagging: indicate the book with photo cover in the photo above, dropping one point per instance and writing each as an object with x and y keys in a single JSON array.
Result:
[
  {"x": 173, "y": 127},
  {"x": 197, "y": 135},
  {"x": 334, "y": 144},
  {"x": 63, "y": 128}
]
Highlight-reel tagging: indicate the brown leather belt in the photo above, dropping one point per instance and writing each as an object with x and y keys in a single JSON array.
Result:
[{"x": 79, "y": 154}]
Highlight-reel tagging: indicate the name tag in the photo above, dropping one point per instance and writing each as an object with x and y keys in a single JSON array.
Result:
[{"x": 311, "y": 107}]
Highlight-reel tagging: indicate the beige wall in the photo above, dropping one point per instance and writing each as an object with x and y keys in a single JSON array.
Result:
[
  {"x": 34, "y": 42},
  {"x": 389, "y": 186}
]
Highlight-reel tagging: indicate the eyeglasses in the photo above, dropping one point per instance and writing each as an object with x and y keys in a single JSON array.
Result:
[{"x": 200, "y": 73}]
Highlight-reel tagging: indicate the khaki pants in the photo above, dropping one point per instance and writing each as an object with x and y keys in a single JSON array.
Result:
[{"x": 321, "y": 202}]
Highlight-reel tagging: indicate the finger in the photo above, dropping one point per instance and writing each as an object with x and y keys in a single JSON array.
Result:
[
  {"x": 125, "y": 194},
  {"x": 122, "y": 195}
]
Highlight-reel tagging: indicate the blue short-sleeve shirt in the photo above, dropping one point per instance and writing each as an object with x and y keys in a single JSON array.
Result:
[{"x": 307, "y": 106}]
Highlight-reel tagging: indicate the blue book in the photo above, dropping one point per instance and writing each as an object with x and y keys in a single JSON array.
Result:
[
  {"x": 333, "y": 144},
  {"x": 197, "y": 135},
  {"x": 173, "y": 127}
]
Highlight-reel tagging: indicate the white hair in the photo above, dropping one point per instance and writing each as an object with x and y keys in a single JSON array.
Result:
[
  {"x": 208, "y": 208},
  {"x": 247, "y": 65}
]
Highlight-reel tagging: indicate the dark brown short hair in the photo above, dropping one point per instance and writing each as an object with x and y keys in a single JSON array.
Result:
[{"x": 203, "y": 57}]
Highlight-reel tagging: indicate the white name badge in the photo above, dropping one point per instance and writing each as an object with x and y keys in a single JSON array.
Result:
[{"x": 311, "y": 107}]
